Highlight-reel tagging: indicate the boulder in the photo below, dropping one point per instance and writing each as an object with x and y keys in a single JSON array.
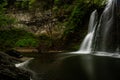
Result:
[{"x": 8, "y": 71}]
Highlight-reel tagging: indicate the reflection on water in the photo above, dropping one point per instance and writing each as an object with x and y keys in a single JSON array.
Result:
[{"x": 74, "y": 67}]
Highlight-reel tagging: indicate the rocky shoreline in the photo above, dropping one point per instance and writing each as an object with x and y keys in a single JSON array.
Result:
[{"x": 8, "y": 71}]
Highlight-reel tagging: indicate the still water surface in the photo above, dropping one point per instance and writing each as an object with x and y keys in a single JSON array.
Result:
[{"x": 74, "y": 67}]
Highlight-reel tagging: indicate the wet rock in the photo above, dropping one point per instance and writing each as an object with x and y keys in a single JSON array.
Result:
[
  {"x": 8, "y": 71},
  {"x": 14, "y": 53}
]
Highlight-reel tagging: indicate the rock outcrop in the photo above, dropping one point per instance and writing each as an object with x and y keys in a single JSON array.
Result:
[{"x": 8, "y": 71}]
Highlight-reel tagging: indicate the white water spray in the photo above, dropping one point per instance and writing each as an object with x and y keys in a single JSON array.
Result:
[
  {"x": 24, "y": 64},
  {"x": 86, "y": 45}
]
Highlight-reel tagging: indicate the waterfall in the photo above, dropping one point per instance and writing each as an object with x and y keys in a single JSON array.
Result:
[
  {"x": 103, "y": 36},
  {"x": 106, "y": 36},
  {"x": 107, "y": 40},
  {"x": 86, "y": 45}
]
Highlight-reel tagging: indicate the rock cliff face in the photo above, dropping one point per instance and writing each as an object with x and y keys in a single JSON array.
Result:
[
  {"x": 8, "y": 71},
  {"x": 37, "y": 22}
]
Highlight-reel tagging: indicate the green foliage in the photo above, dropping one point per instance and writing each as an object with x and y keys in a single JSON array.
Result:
[
  {"x": 76, "y": 17},
  {"x": 4, "y": 19},
  {"x": 46, "y": 4},
  {"x": 2, "y": 5},
  {"x": 99, "y": 2},
  {"x": 57, "y": 2},
  {"x": 45, "y": 40},
  {"x": 27, "y": 42},
  {"x": 32, "y": 3},
  {"x": 23, "y": 4},
  {"x": 17, "y": 37},
  {"x": 81, "y": 9},
  {"x": 63, "y": 2}
]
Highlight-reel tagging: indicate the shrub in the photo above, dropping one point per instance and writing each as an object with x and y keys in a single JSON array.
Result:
[
  {"x": 17, "y": 38},
  {"x": 4, "y": 19},
  {"x": 27, "y": 42}
]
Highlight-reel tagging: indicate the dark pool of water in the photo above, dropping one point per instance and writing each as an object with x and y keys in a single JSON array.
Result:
[{"x": 74, "y": 67}]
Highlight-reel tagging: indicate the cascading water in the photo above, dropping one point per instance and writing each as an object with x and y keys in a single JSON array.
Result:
[
  {"x": 86, "y": 45},
  {"x": 24, "y": 65},
  {"x": 106, "y": 33},
  {"x": 103, "y": 37}
]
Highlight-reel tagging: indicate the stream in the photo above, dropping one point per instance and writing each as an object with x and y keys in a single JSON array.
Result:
[{"x": 61, "y": 66}]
